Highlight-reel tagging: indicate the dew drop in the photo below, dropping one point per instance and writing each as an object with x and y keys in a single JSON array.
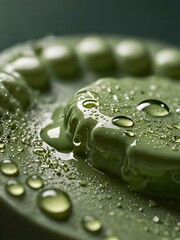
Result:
[
  {"x": 9, "y": 168},
  {"x": 39, "y": 151},
  {"x": 2, "y": 145},
  {"x": 156, "y": 219},
  {"x": 90, "y": 103},
  {"x": 35, "y": 182},
  {"x": 55, "y": 203},
  {"x": 154, "y": 108},
  {"x": 83, "y": 183},
  {"x": 91, "y": 224},
  {"x": 15, "y": 188},
  {"x": 129, "y": 133},
  {"x": 122, "y": 121}
]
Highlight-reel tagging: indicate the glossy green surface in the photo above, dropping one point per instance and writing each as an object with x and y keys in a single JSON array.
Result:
[
  {"x": 122, "y": 213},
  {"x": 94, "y": 122}
]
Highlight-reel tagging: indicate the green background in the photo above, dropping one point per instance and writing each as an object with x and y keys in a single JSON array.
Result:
[{"x": 26, "y": 19}]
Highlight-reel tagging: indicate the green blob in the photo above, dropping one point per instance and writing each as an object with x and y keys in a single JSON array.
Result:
[
  {"x": 115, "y": 125},
  {"x": 18, "y": 88},
  {"x": 62, "y": 60},
  {"x": 15, "y": 188},
  {"x": 95, "y": 53},
  {"x": 167, "y": 62},
  {"x": 133, "y": 57},
  {"x": 33, "y": 71},
  {"x": 56, "y": 136},
  {"x": 9, "y": 168}
]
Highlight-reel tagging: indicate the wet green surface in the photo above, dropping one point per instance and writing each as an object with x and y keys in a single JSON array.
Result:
[{"x": 109, "y": 204}]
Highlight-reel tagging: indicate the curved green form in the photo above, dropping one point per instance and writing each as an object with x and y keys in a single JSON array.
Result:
[
  {"x": 62, "y": 60},
  {"x": 8, "y": 102},
  {"x": 95, "y": 53},
  {"x": 17, "y": 87},
  {"x": 126, "y": 127},
  {"x": 33, "y": 71}
]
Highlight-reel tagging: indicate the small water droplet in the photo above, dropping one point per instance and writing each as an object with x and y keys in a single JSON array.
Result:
[
  {"x": 9, "y": 168},
  {"x": 129, "y": 133},
  {"x": 55, "y": 203},
  {"x": 122, "y": 121},
  {"x": 90, "y": 103},
  {"x": 64, "y": 167},
  {"x": 2, "y": 145},
  {"x": 178, "y": 110},
  {"x": 156, "y": 219},
  {"x": 154, "y": 108},
  {"x": 35, "y": 182},
  {"x": 83, "y": 183},
  {"x": 39, "y": 151},
  {"x": 91, "y": 224},
  {"x": 15, "y": 188}
]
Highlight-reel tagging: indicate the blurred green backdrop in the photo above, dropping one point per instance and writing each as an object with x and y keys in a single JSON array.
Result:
[{"x": 26, "y": 19}]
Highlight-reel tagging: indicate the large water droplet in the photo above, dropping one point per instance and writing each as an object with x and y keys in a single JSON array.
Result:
[
  {"x": 154, "y": 107},
  {"x": 123, "y": 121},
  {"x": 35, "y": 182},
  {"x": 55, "y": 203},
  {"x": 15, "y": 188},
  {"x": 9, "y": 168},
  {"x": 90, "y": 103},
  {"x": 91, "y": 224}
]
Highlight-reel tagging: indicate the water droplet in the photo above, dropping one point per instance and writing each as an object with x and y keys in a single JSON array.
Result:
[
  {"x": 156, "y": 219},
  {"x": 154, "y": 108},
  {"x": 9, "y": 168},
  {"x": 2, "y": 145},
  {"x": 129, "y": 133},
  {"x": 39, "y": 151},
  {"x": 15, "y": 188},
  {"x": 91, "y": 224},
  {"x": 122, "y": 121},
  {"x": 83, "y": 183},
  {"x": 35, "y": 182},
  {"x": 178, "y": 110},
  {"x": 90, "y": 103},
  {"x": 55, "y": 203}
]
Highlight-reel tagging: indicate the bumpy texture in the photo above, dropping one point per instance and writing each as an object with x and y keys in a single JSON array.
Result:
[{"x": 128, "y": 127}]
